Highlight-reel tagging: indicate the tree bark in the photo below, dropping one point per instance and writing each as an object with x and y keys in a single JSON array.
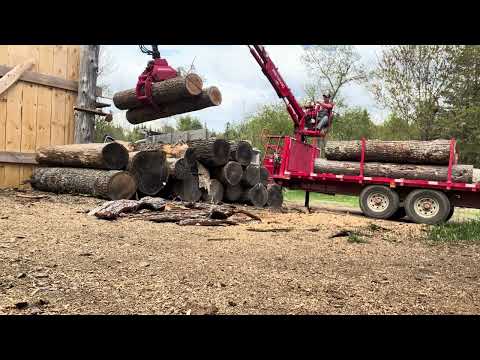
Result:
[
  {"x": 251, "y": 175},
  {"x": 181, "y": 169},
  {"x": 171, "y": 150},
  {"x": 208, "y": 98},
  {"x": 109, "y": 156},
  {"x": 435, "y": 152},
  {"x": 211, "y": 153},
  {"x": 87, "y": 84},
  {"x": 233, "y": 193},
  {"x": 256, "y": 195},
  {"x": 275, "y": 196},
  {"x": 150, "y": 170},
  {"x": 264, "y": 175},
  {"x": 108, "y": 184},
  {"x": 460, "y": 173},
  {"x": 241, "y": 152},
  {"x": 229, "y": 174},
  {"x": 188, "y": 189},
  {"x": 214, "y": 192},
  {"x": 163, "y": 92}
]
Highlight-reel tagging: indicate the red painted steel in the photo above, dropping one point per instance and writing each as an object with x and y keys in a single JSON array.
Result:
[{"x": 157, "y": 70}]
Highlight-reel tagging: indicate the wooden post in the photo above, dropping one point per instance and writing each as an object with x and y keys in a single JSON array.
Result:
[{"x": 87, "y": 83}]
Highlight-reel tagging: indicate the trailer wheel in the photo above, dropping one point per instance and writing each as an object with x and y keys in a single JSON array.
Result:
[
  {"x": 379, "y": 202},
  {"x": 399, "y": 214},
  {"x": 427, "y": 206},
  {"x": 450, "y": 214}
]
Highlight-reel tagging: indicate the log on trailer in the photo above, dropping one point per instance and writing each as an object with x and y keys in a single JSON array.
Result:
[
  {"x": 251, "y": 175},
  {"x": 149, "y": 169},
  {"x": 460, "y": 173},
  {"x": 109, "y": 156},
  {"x": 436, "y": 152},
  {"x": 212, "y": 152},
  {"x": 256, "y": 195},
  {"x": 108, "y": 184},
  {"x": 229, "y": 174},
  {"x": 241, "y": 152},
  {"x": 163, "y": 92},
  {"x": 208, "y": 98}
]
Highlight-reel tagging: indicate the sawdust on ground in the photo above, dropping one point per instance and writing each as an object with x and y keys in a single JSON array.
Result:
[{"x": 56, "y": 259}]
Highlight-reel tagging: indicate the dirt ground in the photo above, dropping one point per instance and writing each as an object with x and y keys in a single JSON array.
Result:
[{"x": 56, "y": 259}]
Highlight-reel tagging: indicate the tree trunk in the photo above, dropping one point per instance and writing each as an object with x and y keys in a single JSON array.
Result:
[
  {"x": 233, "y": 193},
  {"x": 229, "y": 174},
  {"x": 108, "y": 184},
  {"x": 435, "y": 152},
  {"x": 211, "y": 153},
  {"x": 188, "y": 189},
  {"x": 275, "y": 196},
  {"x": 87, "y": 84},
  {"x": 163, "y": 92},
  {"x": 208, "y": 98},
  {"x": 256, "y": 195},
  {"x": 181, "y": 169},
  {"x": 460, "y": 173},
  {"x": 109, "y": 156},
  {"x": 241, "y": 152},
  {"x": 150, "y": 170},
  {"x": 251, "y": 175},
  {"x": 264, "y": 175}
]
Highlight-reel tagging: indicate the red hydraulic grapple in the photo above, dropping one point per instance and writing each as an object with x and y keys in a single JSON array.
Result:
[{"x": 157, "y": 70}]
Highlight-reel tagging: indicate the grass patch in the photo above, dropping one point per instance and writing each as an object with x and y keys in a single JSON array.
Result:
[
  {"x": 356, "y": 238},
  {"x": 464, "y": 232},
  {"x": 299, "y": 196}
]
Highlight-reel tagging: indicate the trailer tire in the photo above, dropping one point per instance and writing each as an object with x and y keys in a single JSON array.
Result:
[
  {"x": 427, "y": 206},
  {"x": 450, "y": 214},
  {"x": 379, "y": 202},
  {"x": 399, "y": 214}
]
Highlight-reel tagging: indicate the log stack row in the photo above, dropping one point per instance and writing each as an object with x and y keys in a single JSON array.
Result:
[
  {"x": 170, "y": 97},
  {"x": 416, "y": 160}
]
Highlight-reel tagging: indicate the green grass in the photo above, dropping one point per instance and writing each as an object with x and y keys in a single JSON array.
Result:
[
  {"x": 316, "y": 198},
  {"x": 356, "y": 238},
  {"x": 454, "y": 232}
]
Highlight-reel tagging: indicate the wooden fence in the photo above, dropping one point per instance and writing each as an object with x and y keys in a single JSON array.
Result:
[{"x": 38, "y": 109}]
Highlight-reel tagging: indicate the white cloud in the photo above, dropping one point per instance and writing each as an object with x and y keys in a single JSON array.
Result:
[{"x": 235, "y": 72}]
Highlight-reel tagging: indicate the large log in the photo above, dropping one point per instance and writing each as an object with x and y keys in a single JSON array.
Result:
[
  {"x": 251, "y": 175},
  {"x": 109, "y": 156},
  {"x": 149, "y": 169},
  {"x": 229, "y": 174},
  {"x": 241, "y": 152},
  {"x": 256, "y": 195},
  {"x": 264, "y": 175},
  {"x": 460, "y": 173},
  {"x": 435, "y": 152},
  {"x": 188, "y": 189},
  {"x": 214, "y": 192},
  {"x": 211, "y": 153},
  {"x": 171, "y": 150},
  {"x": 275, "y": 196},
  {"x": 181, "y": 168},
  {"x": 208, "y": 98},
  {"x": 162, "y": 92},
  {"x": 232, "y": 193},
  {"x": 108, "y": 184}
]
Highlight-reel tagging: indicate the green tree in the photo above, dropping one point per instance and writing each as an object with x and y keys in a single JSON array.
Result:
[
  {"x": 353, "y": 124},
  {"x": 396, "y": 128},
  {"x": 188, "y": 122},
  {"x": 104, "y": 128}
]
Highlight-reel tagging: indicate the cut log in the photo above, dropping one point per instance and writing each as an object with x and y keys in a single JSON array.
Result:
[
  {"x": 162, "y": 92},
  {"x": 264, "y": 175},
  {"x": 460, "y": 173},
  {"x": 113, "y": 209},
  {"x": 275, "y": 196},
  {"x": 181, "y": 169},
  {"x": 211, "y": 153},
  {"x": 214, "y": 193},
  {"x": 435, "y": 152},
  {"x": 149, "y": 169},
  {"x": 187, "y": 189},
  {"x": 229, "y": 174},
  {"x": 109, "y": 156},
  {"x": 256, "y": 195},
  {"x": 172, "y": 150},
  {"x": 251, "y": 175},
  {"x": 108, "y": 184},
  {"x": 241, "y": 152},
  {"x": 208, "y": 98},
  {"x": 233, "y": 193}
]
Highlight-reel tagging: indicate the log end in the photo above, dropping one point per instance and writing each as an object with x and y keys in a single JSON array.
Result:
[
  {"x": 215, "y": 95},
  {"x": 122, "y": 186},
  {"x": 264, "y": 175},
  {"x": 232, "y": 193},
  {"x": 115, "y": 156},
  {"x": 193, "y": 84},
  {"x": 233, "y": 172},
  {"x": 275, "y": 196},
  {"x": 243, "y": 153},
  {"x": 221, "y": 151},
  {"x": 258, "y": 195}
]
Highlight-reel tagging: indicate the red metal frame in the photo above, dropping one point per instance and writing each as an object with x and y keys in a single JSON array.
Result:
[{"x": 157, "y": 70}]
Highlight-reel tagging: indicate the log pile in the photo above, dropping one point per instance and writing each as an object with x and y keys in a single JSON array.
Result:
[
  {"x": 175, "y": 96},
  {"x": 415, "y": 160}
]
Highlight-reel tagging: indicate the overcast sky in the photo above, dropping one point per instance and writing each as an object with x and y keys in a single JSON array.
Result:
[{"x": 235, "y": 72}]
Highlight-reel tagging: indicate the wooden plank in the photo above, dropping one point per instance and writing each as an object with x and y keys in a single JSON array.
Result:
[
  {"x": 73, "y": 63},
  {"x": 60, "y": 54},
  {"x": 13, "y": 75},
  {"x": 45, "y": 95},
  {"x": 40, "y": 78},
  {"x": 15, "y": 157},
  {"x": 3, "y": 115}
]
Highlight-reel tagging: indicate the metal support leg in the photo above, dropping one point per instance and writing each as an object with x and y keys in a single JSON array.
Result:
[{"x": 307, "y": 199}]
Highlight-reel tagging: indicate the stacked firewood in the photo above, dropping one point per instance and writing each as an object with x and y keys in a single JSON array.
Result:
[
  {"x": 174, "y": 96},
  {"x": 212, "y": 171},
  {"x": 424, "y": 160}
]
